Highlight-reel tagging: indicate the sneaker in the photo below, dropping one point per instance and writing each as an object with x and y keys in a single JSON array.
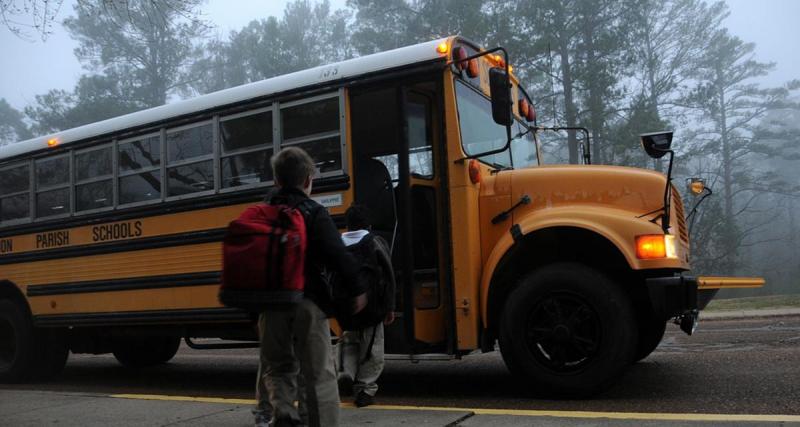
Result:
[
  {"x": 345, "y": 385},
  {"x": 363, "y": 399},
  {"x": 262, "y": 418}
]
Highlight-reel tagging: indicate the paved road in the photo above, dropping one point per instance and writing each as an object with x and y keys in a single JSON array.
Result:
[{"x": 728, "y": 367}]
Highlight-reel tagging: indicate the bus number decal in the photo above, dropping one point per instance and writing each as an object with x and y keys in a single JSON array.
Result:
[
  {"x": 6, "y": 246},
  {"x": 328, "y": 73},
  {"x": 120, "y": 230},
  {"x": 52, "y": 239}
]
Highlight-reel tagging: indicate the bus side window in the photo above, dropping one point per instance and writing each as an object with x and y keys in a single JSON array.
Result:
[
  {"x": 139, "y": 169},
  {"x": 15, "y": 188},
  {"x": 190, "y": 152},
  {"x": 93, "y": 179},
  {"x": 420, "y": 140},
  {"x": 52, "y": 186},
  {"x": 246, "y": 141},
  {"x": 315, "y": 127}
]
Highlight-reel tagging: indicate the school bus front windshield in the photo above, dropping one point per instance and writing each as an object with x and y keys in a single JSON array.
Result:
[{"x": 480, "y": 133}]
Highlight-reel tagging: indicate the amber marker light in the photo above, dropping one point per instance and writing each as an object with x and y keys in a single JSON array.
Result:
[
  {"x": 650, "y": 246},
  {"x": 697, "y": 186},
  {"x": 531, "y": 116},
  {"x": 52, "y": 142},
  {"x": 442, "y": 48},
  {"x": 474, "y": 171},
  {"x": 523, "y": 107},
  {"x": 654, "y": 246},
  {"x": 499, "y": 60}
]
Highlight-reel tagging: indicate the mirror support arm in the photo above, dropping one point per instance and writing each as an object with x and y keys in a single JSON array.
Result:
[{"x": 667, "y": 200}]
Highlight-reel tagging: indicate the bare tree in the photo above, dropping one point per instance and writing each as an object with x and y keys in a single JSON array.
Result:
[
  {"x": 27, "y": 18},
  {"x": 731, "y": 136}
]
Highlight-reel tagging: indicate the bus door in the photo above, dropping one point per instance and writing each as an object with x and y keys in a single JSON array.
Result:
[{"x": 404, "y": 198}]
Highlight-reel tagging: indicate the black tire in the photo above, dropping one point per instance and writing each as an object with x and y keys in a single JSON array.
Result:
[
  {"x": 141, "y": 352},
  {"x": 651, "y": 332},
  {"x": 568, "y": 329},
  {"x": 17, "y": 342}
]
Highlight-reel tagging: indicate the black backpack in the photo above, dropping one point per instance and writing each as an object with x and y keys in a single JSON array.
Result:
[{"x": 373, "y": 252}]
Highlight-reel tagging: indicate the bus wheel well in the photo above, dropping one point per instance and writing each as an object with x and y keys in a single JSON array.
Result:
[
  {"x": 11, "y": 292},
  {"x": 550, "y": 245}
]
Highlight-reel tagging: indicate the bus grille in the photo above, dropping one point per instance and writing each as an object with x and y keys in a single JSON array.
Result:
[{"x": 677, "y": 205}]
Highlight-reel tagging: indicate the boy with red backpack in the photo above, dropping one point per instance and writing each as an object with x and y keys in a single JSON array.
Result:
[{"x": 293, "y": 323}]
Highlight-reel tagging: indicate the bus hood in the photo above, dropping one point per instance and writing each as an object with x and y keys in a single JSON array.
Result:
[{"x": 639, "y": 191}]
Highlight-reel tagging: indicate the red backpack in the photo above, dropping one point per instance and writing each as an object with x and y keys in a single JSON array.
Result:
[{"x": 263, "y": 258}]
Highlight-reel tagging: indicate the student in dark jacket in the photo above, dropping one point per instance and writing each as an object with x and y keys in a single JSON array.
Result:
[
  {"x": 295, "y": 341},
  {"x": 362, "y": 350}
]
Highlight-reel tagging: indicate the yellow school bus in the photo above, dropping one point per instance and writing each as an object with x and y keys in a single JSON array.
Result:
[{"x": 110, "y": 233}]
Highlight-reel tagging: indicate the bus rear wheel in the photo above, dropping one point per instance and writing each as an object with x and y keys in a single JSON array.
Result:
[
  {"x": 141, "y": 352},
  {"x": 568, "y": 329}
]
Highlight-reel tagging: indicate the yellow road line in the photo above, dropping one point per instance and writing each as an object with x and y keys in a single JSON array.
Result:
[
  {"x": 610, "y": 415},
  {"x": 185, "y": 399},
  {"x": 513, "y": 412}
]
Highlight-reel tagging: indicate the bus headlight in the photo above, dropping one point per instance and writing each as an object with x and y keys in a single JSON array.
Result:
[{"x": 654, "y": 246}]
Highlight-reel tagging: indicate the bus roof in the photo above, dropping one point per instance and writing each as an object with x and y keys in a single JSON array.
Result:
[{"x": 343, "y": 70}]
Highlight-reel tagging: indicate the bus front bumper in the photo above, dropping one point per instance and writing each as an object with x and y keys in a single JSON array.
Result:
[{"x": 682, "y": 297}]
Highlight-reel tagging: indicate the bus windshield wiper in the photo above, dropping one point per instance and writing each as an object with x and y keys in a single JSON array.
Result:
[{"x": 499, "y": 168}]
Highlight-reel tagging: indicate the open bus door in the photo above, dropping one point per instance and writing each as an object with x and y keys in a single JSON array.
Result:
[{"x": 404, "y": 197}]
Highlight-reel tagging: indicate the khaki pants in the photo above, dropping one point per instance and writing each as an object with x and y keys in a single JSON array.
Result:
[
  {"x": 296, "y": 346},
  {"x": 353, "y": 350}
]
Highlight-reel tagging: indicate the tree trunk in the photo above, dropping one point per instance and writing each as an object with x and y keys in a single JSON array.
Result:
[
  {"x": 570, "y": 111},
  {"x": 729, "y": 236},
  {"x": 596, "y": 110}
]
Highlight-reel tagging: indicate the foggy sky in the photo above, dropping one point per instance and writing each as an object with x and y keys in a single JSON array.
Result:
[{"x": 34, "y": 67}]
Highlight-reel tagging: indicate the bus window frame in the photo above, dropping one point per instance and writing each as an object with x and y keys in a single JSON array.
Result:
[
  {"x": 226, "y": 154},
  {"x": 429, "y": 118},
  {"x": 479, "y": 92},
  {"x": 161, "y": 168},
  {"x": 339, "y": 93},
  {"x": 112, "y": 176},
  {"x": 30, "y": 191},
  {"x": 69, "y": 184},
  {"x": 213, "y": 156}
]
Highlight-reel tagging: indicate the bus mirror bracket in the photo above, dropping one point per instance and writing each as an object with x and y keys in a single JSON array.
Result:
[{"x": 657, "y": 145}]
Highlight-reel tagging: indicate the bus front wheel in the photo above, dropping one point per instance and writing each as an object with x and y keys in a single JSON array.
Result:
[
  {"x": 27, "y": 352},
  {"x": 651, "y": 332},
  {"x": 568, "y": 329},
  {"x": 141, "y": 352}
]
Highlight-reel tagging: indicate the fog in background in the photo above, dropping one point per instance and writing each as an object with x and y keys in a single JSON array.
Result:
[{"x": 723, "y": 75}]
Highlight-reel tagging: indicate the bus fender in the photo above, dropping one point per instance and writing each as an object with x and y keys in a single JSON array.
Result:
[
  {"x": 10, "y": 291},
  {"x": 618, "y": 227}
]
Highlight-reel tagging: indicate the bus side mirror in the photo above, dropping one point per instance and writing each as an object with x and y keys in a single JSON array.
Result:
[
  {"x": 500, "y": 89},
  {"x": 656, "y": 144}
]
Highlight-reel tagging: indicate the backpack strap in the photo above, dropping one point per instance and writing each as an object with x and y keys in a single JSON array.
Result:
[{"x": 303, "y": 207}]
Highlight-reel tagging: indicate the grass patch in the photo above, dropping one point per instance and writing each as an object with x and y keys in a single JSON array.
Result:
[{"x": 755, "y": 303}]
